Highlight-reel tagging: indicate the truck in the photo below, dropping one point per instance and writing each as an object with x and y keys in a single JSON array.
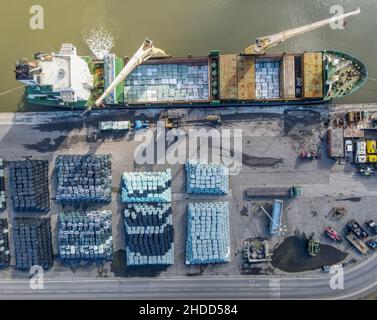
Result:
[
  {"x": 114, "y": 126},
  {"x": 291, "y": 192},
  {"x": 357, "y": 229},
  {"x": 336, "y": 143},
  {"x": 361, "y": 152},
  {"x": 357, "y": 243},
  {"x": 333, "y": 234},
  {"x": 371, "y": 147},
  {"x": 314, "y": 246}
]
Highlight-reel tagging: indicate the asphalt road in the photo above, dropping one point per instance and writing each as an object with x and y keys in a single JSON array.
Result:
[{"x": 358, "y": 282}]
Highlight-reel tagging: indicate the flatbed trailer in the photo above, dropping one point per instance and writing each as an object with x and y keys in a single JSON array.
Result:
[
  {"x": 357, "y": 243},
  {"x": 273, "y": 192}
]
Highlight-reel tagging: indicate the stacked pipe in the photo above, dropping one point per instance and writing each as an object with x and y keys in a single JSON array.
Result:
[
  {"x": 208, "y": 233},
  {"x": 3, "y": 204},
  {"x": 206, "y": 178},
  {"x": 85, "y": 235},
  {"x": 84, "y": 178},
  {"x": 146, "y": 187},
  {"x": 32, "y": 240},
  {"x": 29, "y": 184},
  {"x": 149, "y": 234},
  {"x": 4, "y": 244}
]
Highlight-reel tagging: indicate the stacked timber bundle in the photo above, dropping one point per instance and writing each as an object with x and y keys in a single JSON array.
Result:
[
  {"x": 84, "y": 178},
  {"x": 4, "y": 244},
  {"x": 146, "y": 187},
  {"x": 3, "y": 204},
  {"x": 149, "y": 234},
  {"x": 32, "y": 240},
  {"x": 206, "y": 178},
  {"x": 85, "y": 235},
  {"x": 29, "y": 184},
  {"x": 208, "y": 233}
]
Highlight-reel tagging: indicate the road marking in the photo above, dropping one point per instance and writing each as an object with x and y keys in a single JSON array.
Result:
[{"x": 274, "y": 292}]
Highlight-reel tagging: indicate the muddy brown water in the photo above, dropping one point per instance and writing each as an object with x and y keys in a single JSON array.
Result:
[
  {"x": 182, "y": 27},
  {"x": 292, "y": 255}
]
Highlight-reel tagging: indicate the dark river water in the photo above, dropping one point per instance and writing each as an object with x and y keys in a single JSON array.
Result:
[{"x": 183, "y": 27}]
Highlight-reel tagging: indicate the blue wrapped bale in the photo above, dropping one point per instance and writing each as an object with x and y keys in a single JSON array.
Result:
[
  {"x": 29, "y": 185},
  {"x": 84, "y": 178},
  {"x": 138, "y": 187},
  {"x": 85, "y": 235},
  {"x": 203, "y": 178},
  {"x": 149, "y": 241},
  {"x": 208, "y": 234}
]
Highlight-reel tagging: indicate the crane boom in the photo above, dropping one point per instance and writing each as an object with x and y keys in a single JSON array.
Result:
[
  {"x": 264, "y": 43},
  {"x": 146, "y": 51}
]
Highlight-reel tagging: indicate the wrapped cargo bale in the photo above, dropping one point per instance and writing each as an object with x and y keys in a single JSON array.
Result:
[
  {"x": 29, "y": 185},
  {"x": 149, "y": 234},
  {"x": 84, "y": 178},
  {"x": 208, "y": 235},
  {"x": 85, "y": 235},
  {"x": 146, "y": 187},
  {"x": 3, "y": 204},
  {"x": 4, "y": 244},
  {"x": 33, "y": 243},
  {"x": 203, "y": 178}
]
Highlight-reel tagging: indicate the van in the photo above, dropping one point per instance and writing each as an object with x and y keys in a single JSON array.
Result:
[
  {"x": 371, "y": 146},
  {"x": 361, "y": 148},
  {"x": 372, "y": 158}
]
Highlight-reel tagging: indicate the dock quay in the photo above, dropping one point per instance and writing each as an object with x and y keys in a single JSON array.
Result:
[{"x": 272, "y": 140}]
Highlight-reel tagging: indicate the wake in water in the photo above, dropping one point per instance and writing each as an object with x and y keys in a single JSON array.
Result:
[{"x": 100, "y": 42}]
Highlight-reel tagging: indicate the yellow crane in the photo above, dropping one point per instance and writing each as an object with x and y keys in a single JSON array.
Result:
[{"x": 264, "y": 43}]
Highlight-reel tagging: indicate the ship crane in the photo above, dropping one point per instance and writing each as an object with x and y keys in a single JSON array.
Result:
[
  {"x": 146, "y": 51},
  {"x": 264, "y": 43}
]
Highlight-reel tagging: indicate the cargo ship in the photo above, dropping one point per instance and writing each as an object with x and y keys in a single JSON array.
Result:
[{"x": 152, "y": 78}]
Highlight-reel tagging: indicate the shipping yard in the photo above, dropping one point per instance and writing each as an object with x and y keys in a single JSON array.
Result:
[{"x": 109, "y": 216}]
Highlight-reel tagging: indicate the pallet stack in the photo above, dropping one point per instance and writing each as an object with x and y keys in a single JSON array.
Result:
[
  {"x": 4, "y": 244},
  {"x": 29, "y": 184},
  {"x": 32, "y": 240},
  {"x": 84, "y": 178},
  {"x": 267, "y": 79},
  {"x": 85, "y": 235},
  {"x": 167, "y": 82},
  {"x": 146, "y": 187},
  {"x": 3, "y": 204},
  {"x": 208, "y": 236},
  {"x": 203, "y": 178},
  {"x": 149, "y": 234}
]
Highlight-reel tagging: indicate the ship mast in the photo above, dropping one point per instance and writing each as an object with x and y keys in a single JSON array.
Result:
[
  {"x": 146, "y": 51},
  {"x": 264, "y": 43}
]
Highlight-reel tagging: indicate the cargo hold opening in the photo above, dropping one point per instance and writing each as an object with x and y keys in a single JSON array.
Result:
[{"x": 267, "y": 78}]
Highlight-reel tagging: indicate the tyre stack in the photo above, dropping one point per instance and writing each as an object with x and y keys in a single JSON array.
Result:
[
  {"x": 203, "y": 178},
  {"x": 150, "y": 187},
  {"x": 85, "y": 236},
  {"x": 3, "y": 204},
  {"x": 84, "y": 178},
  {"x": 29, "y": 184},
  {"x": 208, "y": 236},
  {"x": 4, "y": 244},
  {"x": 149, "y": 234},
  {"x": 32, "y": 240}
]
